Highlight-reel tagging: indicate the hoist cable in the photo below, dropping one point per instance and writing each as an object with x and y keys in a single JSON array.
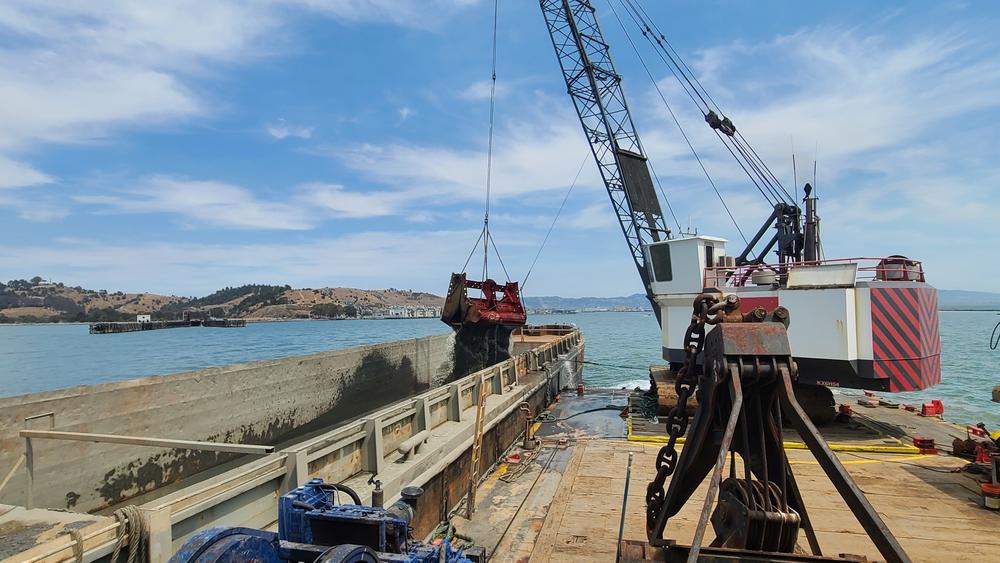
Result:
[
  {"x": 500, "y": 258},
  {"x": 677, "y": 122},
  {"x": 691, "y": 73},
  {"x": 678, "y": 73},
  {"x": 777, "y": 182},
  {"x": 475, "y": 245},
  {"x": 630, "y": 5},
  {"x": 689, "y": 82},
  {"x": 572, "y": 185},
  {"x": 743, "y": 166},
  {"x": 674, "y": 51},
  {"x": 659, "y": 187},
  {"x": 660, "y": 55},
  {"x": 489, "y": 150},
  {"x": 761, "y": 174}
]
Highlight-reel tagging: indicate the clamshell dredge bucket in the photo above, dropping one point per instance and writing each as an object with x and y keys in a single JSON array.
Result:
[
  {"x": 460, "y": 310},
  {"x": 482, "y": 325}
]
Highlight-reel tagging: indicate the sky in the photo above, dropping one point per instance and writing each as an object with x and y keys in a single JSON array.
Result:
[{"x": 180, "y": 147}]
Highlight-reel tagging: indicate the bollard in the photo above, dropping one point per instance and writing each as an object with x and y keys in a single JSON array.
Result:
[{"x": 529, "y": 442}]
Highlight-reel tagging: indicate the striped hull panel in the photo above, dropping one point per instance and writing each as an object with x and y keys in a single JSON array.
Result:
[{"x": 906, "y": 343}]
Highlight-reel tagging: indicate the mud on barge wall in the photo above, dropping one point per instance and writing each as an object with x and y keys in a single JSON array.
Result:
[{"x": 255, "y": 403}]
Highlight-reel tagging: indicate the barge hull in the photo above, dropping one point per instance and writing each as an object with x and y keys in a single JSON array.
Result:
[{"x": 263, "y": 403}]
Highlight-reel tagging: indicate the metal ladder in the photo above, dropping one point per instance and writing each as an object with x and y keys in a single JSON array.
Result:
[{"x": 477, "y": 447}]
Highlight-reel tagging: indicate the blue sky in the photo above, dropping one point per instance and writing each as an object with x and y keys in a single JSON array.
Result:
[{"x": 179, "y": 147}]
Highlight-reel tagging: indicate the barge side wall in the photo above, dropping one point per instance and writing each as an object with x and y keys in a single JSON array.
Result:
[{"x": 255, "y": 403}]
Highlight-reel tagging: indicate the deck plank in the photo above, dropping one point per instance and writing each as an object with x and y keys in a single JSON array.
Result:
[{"x": 932, "y": 512}]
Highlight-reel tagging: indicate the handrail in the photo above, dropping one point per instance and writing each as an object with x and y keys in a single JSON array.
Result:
[
  {"x": 886, "y": 268},
  {"x": 29, "y": 450},
  {"x": 152, "y": 442}
]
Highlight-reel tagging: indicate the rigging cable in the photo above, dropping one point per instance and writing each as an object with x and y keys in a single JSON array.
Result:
[
  {"x": 690, "y": 83},
  {"x": 475, "y": 245},
  {"x": 680, "y": 128},
  {"x": 739, "y": 137},
  {"x": 502, "y": 265},
  {"x": 706, "y": 92},
  {"x": 489, "y": 151},
  {"x": 572, "y": 185},
  {"x": 685, "y": 82}
]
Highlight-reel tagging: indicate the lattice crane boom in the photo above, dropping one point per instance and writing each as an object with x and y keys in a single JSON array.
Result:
[{"x": 596, "y": 90}]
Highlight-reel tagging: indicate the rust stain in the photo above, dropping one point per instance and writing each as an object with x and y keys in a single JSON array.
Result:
[{"x": 374, "y": 382}]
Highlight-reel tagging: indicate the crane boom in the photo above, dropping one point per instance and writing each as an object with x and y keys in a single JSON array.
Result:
[{"x": 596, "y": 90}]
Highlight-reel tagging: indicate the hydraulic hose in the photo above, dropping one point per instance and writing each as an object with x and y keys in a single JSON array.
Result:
[{"x": 345, "y": 489}]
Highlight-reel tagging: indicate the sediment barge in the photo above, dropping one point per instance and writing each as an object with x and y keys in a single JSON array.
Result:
[
  {"x": 341, "y": 415},
  {"x": 137, "y": 326}
]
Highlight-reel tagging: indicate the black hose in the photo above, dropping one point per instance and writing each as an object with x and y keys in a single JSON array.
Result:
[
  {"x": 345, "y": 489},
  {"x": 995, "y": 337}
]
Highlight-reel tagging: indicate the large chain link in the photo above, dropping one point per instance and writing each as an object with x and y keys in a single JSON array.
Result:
[{"x": 677, "y": 419}]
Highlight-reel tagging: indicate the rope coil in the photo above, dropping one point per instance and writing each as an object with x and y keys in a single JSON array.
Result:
[{"x": 133, "y": 532}]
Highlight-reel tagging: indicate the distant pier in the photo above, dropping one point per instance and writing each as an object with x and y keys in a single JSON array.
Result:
[
  {"x": 117, "y": 327},
  {"x": 224, "y": 323}
]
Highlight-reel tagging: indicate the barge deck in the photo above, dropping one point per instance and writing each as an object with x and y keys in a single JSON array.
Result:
[{"x": 566, "y": 504}]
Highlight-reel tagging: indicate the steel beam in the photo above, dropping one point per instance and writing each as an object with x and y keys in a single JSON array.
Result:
[{"x": 151, "y": 442}]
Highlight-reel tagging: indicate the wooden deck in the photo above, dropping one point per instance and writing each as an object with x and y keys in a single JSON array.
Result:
[{"x": 567, "y": 505}]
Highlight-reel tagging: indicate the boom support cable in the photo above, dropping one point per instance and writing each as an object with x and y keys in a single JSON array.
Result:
[
  {"x": 684, "y": 134},
  {"x": 737, "y": 144},
  {"x": 572, "y": 185},
  {"x": 489, "y": 150}
]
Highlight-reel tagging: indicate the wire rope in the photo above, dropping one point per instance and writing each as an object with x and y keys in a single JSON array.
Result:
[
  {"x": 572, "y": 185},
  {"x": 475, "y": 245},
  {"x": 684, "y": 134},
  {"x": 500, "y": 258},
  {"x": 748, "y": 157}
]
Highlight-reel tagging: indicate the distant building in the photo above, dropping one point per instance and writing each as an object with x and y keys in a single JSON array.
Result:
[{"x": 143, "y": 318}]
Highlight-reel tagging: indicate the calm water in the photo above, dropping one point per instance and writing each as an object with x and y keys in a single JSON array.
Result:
[{"x": 42, "y": 357}]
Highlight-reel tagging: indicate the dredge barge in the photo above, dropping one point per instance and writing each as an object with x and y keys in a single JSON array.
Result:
[
  {"x": 564, "y": 467},
  {"x": 218, "y": 447}
]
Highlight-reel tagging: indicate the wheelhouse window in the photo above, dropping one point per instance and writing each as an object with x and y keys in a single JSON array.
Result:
[{"x": 659, "y": 255}]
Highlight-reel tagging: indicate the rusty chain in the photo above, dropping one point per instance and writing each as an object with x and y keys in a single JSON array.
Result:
[{"x": 677, "y": 419}]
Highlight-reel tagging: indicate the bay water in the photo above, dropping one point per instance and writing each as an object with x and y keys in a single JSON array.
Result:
[{"x": 620, "y": 346}]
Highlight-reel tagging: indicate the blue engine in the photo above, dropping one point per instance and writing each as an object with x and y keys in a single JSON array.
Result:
[{"x": 314, "y": 526}]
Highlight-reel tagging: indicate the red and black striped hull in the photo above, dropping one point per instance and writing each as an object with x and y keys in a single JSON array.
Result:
[{"x": 906, "y": 343}]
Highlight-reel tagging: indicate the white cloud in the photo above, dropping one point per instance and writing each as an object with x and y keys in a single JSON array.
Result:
[
  {"x": 343, "y": 203},
  {"x": 39, "y": 210},
  {"x": 224, "y": 205},
  {"x": 207, "y": 202},
  {"x": 281, "y": 129},
  {"x": 17, "y": 174},
  {"x": 75, "y": 72},
  {"x": 853, "y": 93},
  {"x": 539, "y": 151},
  {"x": 404, "y": 259},
  {"x": 408, "y": 13},
  {"x": 406, "y": 112},
  {"x": 481, "y": 90}
]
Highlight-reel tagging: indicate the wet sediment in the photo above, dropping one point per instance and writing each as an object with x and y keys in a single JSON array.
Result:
[{"x": 480, "y": 346}]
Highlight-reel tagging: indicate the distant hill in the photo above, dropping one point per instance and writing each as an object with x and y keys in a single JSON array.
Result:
[
  {"x": 961, "y": 300},
  {"x": 38, "y": 300},
  {"x": 948, "y": 299}
]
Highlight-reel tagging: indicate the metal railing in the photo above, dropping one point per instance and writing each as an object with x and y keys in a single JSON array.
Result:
[{"x": 888, "y": 268}]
